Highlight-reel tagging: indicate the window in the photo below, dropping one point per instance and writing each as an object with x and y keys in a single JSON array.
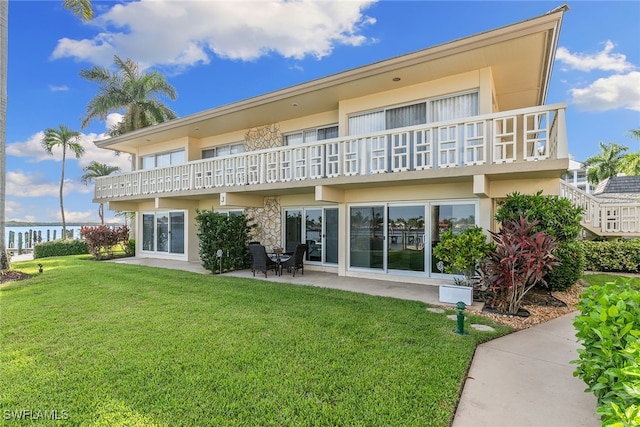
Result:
[
  {"x": 441, "y": 109},
  {"x": 163, "y": 159},
  {"x": 223, "y": 150},
  {"x": 311, "y": 135}
]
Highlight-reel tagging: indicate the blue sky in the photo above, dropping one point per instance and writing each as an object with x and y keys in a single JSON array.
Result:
[{"x": 217, "y": 52}]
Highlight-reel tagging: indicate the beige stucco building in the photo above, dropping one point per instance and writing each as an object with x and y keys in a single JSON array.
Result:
[{"x": 368, "y": 166}]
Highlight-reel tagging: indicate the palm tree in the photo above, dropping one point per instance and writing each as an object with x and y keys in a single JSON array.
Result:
[
  {"x": 631, "y": 161},
  {"x": 129, "y": 91},
  {"x": 81, "y": 8},
  {"x": 4, "y": 12},
  {"x": 95, "y": 170},
  {"x": 605, "y": 164},
  {"x": 66, "y": 139}
]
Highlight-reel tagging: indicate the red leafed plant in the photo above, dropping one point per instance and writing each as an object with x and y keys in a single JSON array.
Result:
[
  {"x": 102, "y": 239},
  {"x": 520, "y": 260}
]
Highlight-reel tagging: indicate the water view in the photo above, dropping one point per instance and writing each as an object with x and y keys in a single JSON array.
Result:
[{"x": 39, "y": 233}]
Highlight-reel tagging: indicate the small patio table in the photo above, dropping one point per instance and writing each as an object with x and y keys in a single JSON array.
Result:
[{"x": 279, "y": 258}]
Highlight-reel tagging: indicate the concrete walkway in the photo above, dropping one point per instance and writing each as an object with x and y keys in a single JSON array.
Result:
[{"x": 523, "y": 379}]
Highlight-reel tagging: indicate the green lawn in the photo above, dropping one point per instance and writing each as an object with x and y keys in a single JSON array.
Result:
[
  {"x": 108, "y": 344},
  {"x": 602, "y": 278}
]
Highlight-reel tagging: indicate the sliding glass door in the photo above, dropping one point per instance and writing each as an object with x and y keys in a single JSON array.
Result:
[
  {"x": 163, "y": 232},
  {"x": 319, "y": 231},
  {"x": 405, "y": 231},
  {"x": 366, "y": 237},
  {"x": 393, "y": 238},
  {"x": 444, "y": 216}
]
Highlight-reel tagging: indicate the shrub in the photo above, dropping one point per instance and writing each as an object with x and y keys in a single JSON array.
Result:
[
  {"x": 130, "y": 247},
  {"x": 519, "y": 261},
  {"x": 230, "y": 234},
  {"x": 620, "y": 256},
  {"x": 609, "y": 329},
  {"x": 462, "y": 252},
  {"x": 555, "y": 215},
  {"x": 559, "y": 218},
  {"x": 570, "y": 266},
  {"x": 60, "y": 248},
  {"x": 102, "y": 240}
]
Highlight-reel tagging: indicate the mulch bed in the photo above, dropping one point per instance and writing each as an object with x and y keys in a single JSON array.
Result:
[
  {"x": 542, "y": 306},
  {"x": 12, "y": 276}
]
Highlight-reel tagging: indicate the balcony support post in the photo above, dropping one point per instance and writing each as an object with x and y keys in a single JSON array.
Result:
[
  {"x": 481, "y": 185},
  {"x": 326, "y": 193}
]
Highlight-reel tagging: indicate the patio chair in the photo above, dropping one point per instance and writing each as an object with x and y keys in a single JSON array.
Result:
[
  {"x": 296, "y": 262},
  {"x": 261, "y": 261}
]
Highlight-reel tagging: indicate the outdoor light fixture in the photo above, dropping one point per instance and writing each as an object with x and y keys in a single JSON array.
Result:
[
  {"x": 460, "y": 306},
  {"x": 39, "y": 268}
]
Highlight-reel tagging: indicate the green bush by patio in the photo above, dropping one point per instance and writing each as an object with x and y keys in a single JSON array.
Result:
[{"x": 115, "y": 344}]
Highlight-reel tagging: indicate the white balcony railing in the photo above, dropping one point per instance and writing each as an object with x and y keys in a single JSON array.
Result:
[
  {"x": 525, "y": 135},
  {"x": 613, "y": 219}
]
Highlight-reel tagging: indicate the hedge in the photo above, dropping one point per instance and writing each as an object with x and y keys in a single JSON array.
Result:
[
  {"x": 609, "y": 329},
  {"x": 60, "y": 248},
  {"x": 620, "y": 256}
]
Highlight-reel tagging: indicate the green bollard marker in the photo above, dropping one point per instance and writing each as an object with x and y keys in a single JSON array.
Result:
[{"x": 460, "y": 306}]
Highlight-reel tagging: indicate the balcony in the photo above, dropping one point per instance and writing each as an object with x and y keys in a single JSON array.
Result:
[
  {"x": 517, "y": 136},
  {"x": 604, "y": 219}
]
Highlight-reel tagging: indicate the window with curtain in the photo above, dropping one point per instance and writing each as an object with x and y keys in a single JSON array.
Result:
[
  {"x": 366, "y": 123},
  {"x": 311, "y": 135},
  {"x": 435, "y": 110},
  {"x": 223, "y": 150},
  {"x": 454, "y": 107},
  {"x": 163, "y": 159},
  {"x": 409, "y": 115}
]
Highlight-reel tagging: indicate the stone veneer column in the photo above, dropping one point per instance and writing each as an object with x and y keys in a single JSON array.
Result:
[
  {"x": 268, "y": 223},
  {"x": 267, "y": 219}
]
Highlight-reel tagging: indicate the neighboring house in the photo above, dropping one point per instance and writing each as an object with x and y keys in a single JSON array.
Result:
[
  {"x": 618, "y": 189},
  {"x": 576, "y": 175},
  {"x": 368, "y": 166}
]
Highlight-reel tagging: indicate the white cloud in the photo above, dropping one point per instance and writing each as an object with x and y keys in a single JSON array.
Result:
[
  {"x": 605, "y": 60},
  {"x": 609, "y": 93},
  {"x": 12, "y": 209},
  {"x": 54, "y": 88},
  {"x": 32, "y": 149},
  {"x": 70, "y": 216},
  {"x": 35, "y": 184},
  {"x": 113, "y": 119},
  {"x": 185, "y": 34}
]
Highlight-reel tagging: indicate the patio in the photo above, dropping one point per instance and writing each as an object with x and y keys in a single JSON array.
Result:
[{"x": 408, "y": 291}]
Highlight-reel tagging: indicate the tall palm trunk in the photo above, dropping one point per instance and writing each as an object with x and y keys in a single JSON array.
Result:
[
  {"x": 4, "y": 47},
  {"x": 64, "y": 224}
]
